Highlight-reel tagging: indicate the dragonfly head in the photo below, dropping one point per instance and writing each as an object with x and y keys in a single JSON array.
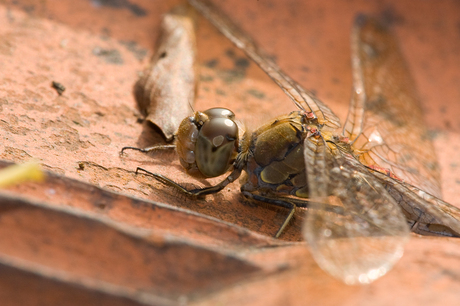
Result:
[{"x": 207, "y": 142}]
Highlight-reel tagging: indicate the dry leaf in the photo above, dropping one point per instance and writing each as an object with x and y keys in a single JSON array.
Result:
[{"x": 167, "y": 88}]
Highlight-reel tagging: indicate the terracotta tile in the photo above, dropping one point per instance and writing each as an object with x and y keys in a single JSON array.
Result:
[{"x": 96, "y": 49}]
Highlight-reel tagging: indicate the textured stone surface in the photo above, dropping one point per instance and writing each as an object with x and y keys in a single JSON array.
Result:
[{"x": 96, "y": 49}]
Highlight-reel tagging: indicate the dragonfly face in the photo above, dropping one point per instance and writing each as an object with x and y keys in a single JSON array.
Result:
[{"x": 207, "y": 142}]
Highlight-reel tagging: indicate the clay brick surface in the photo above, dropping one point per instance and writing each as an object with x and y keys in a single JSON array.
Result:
[{"x": 96, "y": 50}]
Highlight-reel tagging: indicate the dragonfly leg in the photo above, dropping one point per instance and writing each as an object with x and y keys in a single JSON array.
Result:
[
  {"x": 275, "y": 201},
  {"x": 148, "y": 149},
  {"x": 292, "y": 204},
  {"x": 194, "y": 192},
  {"x": 286, "y": 221}
]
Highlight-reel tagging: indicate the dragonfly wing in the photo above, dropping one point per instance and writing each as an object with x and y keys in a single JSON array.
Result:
[
  {"x": 365, "y": 241},
  {"x": 302, "y": 98},
  {"x": 385, "y": 119},
  {"x": 426, "y": 214}
]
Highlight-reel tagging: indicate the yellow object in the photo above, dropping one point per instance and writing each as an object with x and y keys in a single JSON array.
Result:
[{"x": 16, "y": 174}]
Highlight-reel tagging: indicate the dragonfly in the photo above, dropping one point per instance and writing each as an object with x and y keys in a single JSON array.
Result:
[{"x": 364, "y": 184}]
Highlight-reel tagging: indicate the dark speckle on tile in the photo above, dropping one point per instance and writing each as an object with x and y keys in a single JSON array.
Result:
[{"x": 111, "y": 56}]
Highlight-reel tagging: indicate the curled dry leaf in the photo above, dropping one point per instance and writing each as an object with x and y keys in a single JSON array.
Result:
[{"x": 167, "y": 88}]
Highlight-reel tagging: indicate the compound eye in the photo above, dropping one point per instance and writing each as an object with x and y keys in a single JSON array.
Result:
[
  {"x": 219, "y": 112},
  {"x": 216, "y": 146}
]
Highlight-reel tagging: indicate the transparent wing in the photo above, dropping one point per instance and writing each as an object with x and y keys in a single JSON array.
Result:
[
  {"x": 365, "y": 241},
  {"x": 385, "y": 119},
  {"x": 302, "y": 98},
  {"x": 427, "y": 214}
]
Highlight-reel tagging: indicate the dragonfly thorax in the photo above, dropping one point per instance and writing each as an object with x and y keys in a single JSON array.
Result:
[{"x": 207, "y": 142}]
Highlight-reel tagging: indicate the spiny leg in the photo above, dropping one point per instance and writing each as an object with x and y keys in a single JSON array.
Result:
[
  {"x": 277, "y": 202},
  {"x": 292, "y": 204},
  {"x": 194, "y": 192},
  {"x": 148, "y": 149}
]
